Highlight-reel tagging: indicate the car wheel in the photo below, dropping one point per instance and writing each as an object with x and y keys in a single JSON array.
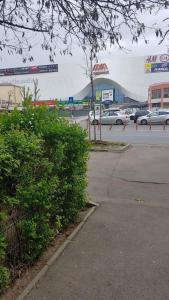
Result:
[
  {"x": 95, "y": 122},
  {"x": 143, "y": 122},
  {"x": 167, "y": 121},
  {"x": 119, "y": 122}
]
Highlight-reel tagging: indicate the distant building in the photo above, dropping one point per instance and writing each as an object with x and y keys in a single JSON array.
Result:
[
  {"x": 159, "y": 95},
  {"x": 10, "y": 95}
]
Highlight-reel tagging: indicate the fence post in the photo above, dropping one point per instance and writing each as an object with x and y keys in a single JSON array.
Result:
[
  {"x": 164, "y": 126},
  {"x": 124, "y": 125},
  {"x": 87, "y": 123},
  {"x": 136, "y": 125},
  {"x": 150, "y": 125},
  {"x": 110, "y": 127}
]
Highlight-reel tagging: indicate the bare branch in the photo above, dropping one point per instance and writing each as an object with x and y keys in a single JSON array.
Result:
[{"x": 91, "y": 22}]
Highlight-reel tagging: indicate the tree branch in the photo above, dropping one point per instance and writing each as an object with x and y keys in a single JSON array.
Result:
[{"x": 3, "y": 22}]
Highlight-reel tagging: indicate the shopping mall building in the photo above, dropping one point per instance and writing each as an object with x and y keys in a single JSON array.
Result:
[{"x": 121, "y": 79}]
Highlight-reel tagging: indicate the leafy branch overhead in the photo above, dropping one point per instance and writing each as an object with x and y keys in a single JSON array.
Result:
[{"x": 58, "y": 21}]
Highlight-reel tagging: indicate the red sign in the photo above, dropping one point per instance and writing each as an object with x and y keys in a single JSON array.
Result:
[
  {"x": 47, "y": 102},
  {"x": 34, "y": 68},
  {"x": 151, "y": 59},
  {"x": 100, "y": 69}
]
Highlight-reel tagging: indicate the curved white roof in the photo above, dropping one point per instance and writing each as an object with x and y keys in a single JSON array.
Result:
[{"x": 101, "y": 80}]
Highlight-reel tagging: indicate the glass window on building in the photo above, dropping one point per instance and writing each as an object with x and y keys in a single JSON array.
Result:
[
  {"x": 156, "y": 94},
  {"x": 166, "y": 93}
]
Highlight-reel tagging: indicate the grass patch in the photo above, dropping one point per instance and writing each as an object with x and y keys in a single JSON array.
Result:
[
  {"x": 103, "y": 144},
  {"x": 107, "y": 146}
]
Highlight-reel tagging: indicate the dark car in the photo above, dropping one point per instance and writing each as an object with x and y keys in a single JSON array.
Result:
[{"x": 140, "y": 113}]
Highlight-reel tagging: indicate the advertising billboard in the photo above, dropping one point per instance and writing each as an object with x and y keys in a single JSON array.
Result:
[
  {"x": 98, "y": 95},
  {"x": 157, "y": 63},
  {"x": 29, "y": 70},
  {"x": 107, "y": 95}
]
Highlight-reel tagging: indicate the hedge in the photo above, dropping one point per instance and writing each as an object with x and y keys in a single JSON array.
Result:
[{"x": 43, "y": 161}]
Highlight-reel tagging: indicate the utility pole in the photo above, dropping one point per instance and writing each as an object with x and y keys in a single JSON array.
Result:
[{"x": 92, "y": 88}]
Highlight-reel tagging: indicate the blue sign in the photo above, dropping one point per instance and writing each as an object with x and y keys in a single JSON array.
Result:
[
  {"x": 160, "y": 67},
  {"x": 71, "y": 99}
]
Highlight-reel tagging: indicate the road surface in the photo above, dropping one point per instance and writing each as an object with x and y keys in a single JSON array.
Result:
[{"x": 156, "y": 135}]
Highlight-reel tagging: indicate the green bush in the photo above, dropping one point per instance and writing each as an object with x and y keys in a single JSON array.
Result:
[
  {"x": 4, "y": 272},
  {"x": 43, "y": 161},
  {"x": 4, "y": 277},
  {"x": 36, "y": 235}
]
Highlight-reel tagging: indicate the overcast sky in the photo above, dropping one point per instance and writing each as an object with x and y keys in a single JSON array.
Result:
[{"x": 141, "y": 48}]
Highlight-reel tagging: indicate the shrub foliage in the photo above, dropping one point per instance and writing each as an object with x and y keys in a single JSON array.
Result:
[{"x": 43, "y": 161}]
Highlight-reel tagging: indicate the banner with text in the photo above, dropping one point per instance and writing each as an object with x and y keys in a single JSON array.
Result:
[
  {"x": 107, "y": 95},
  {"x": 157, "y": 63}
]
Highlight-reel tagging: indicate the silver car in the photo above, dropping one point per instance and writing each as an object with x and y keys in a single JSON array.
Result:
[
  {"x": 158, "y": 117},
  {"x": 110, "y": 118},
  {"x": 97, "y": 111}
]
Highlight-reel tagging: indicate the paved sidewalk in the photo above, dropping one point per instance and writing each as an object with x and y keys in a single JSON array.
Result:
[{"x": 122, "y": 252}]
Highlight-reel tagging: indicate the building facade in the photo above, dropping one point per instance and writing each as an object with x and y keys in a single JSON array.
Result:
[
  {"x": 159, "y": 95},
  {"x": 116, "y": 78},
  {"x": 10, "y": 95}
]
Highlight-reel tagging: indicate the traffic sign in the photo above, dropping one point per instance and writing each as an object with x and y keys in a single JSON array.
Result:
[{"x": 71, "y": 99}]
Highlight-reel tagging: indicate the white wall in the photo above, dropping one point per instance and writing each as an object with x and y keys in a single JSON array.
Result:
[{"x": 130, "y": 74}]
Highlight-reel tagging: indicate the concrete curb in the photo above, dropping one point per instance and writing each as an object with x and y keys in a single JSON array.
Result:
[
  {"x": 123, "y": 149},
  {"x": 120, "y": 150},
  {"x": 57, "y": 254}
]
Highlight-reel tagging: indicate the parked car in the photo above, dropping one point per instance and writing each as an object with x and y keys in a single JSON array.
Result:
[
  {"x": 97, "y": 111},
  {"x": 130, "y": 112},
  {"x": 110, "y": 118},
  {"x": 91, "y": 113},
  {"x": 140, "y": 113},
  {"x": 158, "y": 117},
  {"x": 114, "y": 109}
]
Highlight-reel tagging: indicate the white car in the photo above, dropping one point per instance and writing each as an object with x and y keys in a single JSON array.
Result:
[
  {"x": 91, "y": 113},
  {"x": 97, "y": 111},
  {"x": 110, "y": 118},
  {"x": 157, "y": 117}
]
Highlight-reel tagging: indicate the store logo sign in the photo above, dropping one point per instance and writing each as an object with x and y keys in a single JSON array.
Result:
[
  {"x": 151, "y": 59},
  {"x": 164, "y": 57},
  {"x": 99, "y": 69}
]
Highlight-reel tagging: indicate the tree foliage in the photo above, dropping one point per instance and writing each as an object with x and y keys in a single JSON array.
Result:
[
  {"x": 26, "y": 95},
  {"x": 95, "y": 22}
]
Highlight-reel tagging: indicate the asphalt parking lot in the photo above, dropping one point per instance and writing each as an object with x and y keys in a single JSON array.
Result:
[{"x": 142, "y": 134}]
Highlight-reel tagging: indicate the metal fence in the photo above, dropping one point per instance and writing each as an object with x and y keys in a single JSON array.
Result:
[
  {"x": 17, "y": 257},
  {"x": 14, "y": 256}
]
